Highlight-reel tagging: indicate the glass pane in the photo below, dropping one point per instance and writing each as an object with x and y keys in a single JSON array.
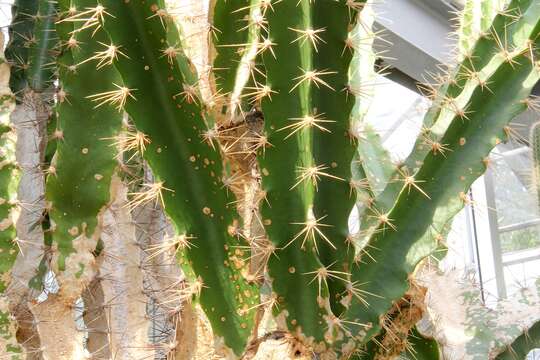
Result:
[
  {"x": 520, "y": 239},
  {"x": 515, "y": 198}
]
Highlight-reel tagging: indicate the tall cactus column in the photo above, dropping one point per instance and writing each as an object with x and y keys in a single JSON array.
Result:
[
  {"x": 187, "y": 169},
  {"x": 306, "y": 169}
]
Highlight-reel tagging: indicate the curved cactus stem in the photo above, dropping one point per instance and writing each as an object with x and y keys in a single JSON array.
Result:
[
  {"x": 475, "y": 19},
  {"x": 438, "y": 194},
  {"x": 511, "y": 33},
  {"x": 186, "y": 168},
  {"x": 520, "y": 347},
  {"x": 78, "y": 185}
]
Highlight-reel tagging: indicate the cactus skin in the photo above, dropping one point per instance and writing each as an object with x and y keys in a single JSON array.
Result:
[
  {"x": 422, "y": 348},
  {"x": 42, "y": 59},
  {"x": 229, "y": 21},
  {"x": 187, "y": 166},
  {"x": 291, "y": 209},
  {"x": 78, "y": 184},
  {"x": 520, "y": 347},
  {"x": 21, "y": 35},
  {"x": 8, "y": 246}
]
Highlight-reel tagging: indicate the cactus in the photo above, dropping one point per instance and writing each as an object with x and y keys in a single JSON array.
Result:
[
  {"x": 283, "y": 130},
  {"x": 8, "y": 246},
  {"x": 520, "y": 348}
]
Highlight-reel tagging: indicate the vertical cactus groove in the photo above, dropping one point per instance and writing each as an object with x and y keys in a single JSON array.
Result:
[
  {"x": 230, "y": 20},
  {"x": 334, "y": 147},
  {"x": 42, "y": 59},
  {"x": 80, "y": 174},
  {"x": 187, "y": 168}
]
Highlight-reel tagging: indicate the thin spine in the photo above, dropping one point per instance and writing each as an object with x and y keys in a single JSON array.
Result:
[{"x": 199, "y": 211}]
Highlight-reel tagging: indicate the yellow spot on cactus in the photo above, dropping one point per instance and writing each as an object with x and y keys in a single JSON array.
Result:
[
  {"x": 334, "y": 164},
  {"x": 265, "y": 172},
  {"x": 206, "y": 161},
  {"x": 158, "y": 150},
  {"x": 146, "y": 67},
  {"x": 74, "y": 231},
  {"x": 243, "y": 325},
  {"x": 192, "y": 158},
  {"x": 98, "y": 177},
  {"x": 462, "y": 141},
  {"x": 292, "y": 270},
  {"x": 294, "y": 322},
  {"x": 206, "y": 210},
  {"x": 84, "y": 151},
  {"x": 267, "y": 222}
]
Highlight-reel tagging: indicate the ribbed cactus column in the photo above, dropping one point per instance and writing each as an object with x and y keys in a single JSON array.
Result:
[
  {"x": 78, "y": 184},
  {"x": 306, "y": 169},
  {"x": 187, "y": 169}
]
